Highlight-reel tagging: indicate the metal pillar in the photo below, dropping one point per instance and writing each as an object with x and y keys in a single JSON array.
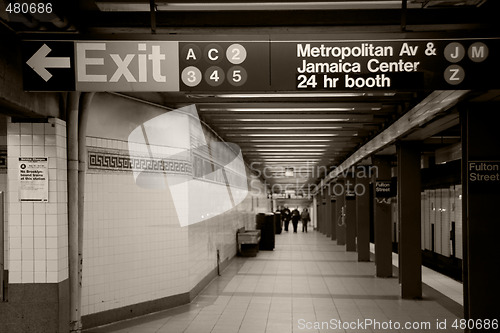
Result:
[
  {"x": 409, "y": 188},
  {"x": 350, "y": 221},
  {"x": 481, "y": 195},
  {"x": 328, "y": 209},
  {"x": 382, "y": 220},
  {"x": 339, "y": 190},
  {"x": 363, "y": 218},
  {"x": 333, "y": 216}
]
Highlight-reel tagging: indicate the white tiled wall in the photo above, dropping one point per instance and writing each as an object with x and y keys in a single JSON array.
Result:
[
  {"x": 215, "y": 234},
  {"x": 134, "y": 247},
  {"x": 38, "y": 243},
  {"x": 134, "y": 250}
]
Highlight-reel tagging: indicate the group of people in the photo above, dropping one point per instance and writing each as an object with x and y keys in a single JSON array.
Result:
[{"x": 295, "y": 216}]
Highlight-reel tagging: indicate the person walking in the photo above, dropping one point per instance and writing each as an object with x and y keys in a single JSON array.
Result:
[
  {"x": 305, "y": 217},
  {"x": 285, "y": 216},
  {"x": 295, "y": 219}
]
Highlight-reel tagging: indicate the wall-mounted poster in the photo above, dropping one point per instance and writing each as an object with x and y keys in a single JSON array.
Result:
[{"x": 33, "y": 179}]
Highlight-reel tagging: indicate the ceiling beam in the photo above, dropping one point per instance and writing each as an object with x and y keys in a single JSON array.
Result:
[
  {"x": 434, "y": 104},
  {"x": 289, "y": 18}
]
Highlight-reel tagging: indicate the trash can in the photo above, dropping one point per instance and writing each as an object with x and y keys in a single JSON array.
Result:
[
  {"x": 277, "y": 222},
  {"x": 265, "y": 223}
]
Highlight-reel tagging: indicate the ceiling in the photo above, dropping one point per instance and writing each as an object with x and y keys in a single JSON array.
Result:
[
  {"x": 293, "y": 144},
  {"x": 292, "y": 140}
]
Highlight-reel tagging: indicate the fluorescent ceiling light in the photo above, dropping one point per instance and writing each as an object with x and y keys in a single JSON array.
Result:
[
  {"x": 297, "y": 159},
  {"x": 290, "y": 110},
  {"x": 255, "y": 5},
  {"x": 289, "y": 140},
  {"x": 285, "y": 154},
  {"x": 297, "y": 164},
  {"x": 260, "y": 120},
  {"x": 282, "y": 171},
  {"x": 290, "y": 181},
  {"x": 287, "y": 149},
  {"x": 283, "y": 134},
  {"x": 289, "y": 146},
  {"x": 302, "y": 5},
  {"x": 299, "y": 95},
  {"x": 301, "y": 167},
  {"x": 281, "y": 128}
]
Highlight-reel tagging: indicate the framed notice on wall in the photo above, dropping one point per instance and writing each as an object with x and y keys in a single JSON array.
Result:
[{"x": 33, "y": 179}]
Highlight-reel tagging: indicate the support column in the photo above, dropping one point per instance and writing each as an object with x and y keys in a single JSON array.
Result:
[
  {"x": 317, "y": 198},
  {"x": 314, "y": 214},
  {"x": 328, "y": 209},
  {"x": 38, "y": 289},
  {"x": 382, "y": 220},
  {"x": 333, "y": 216},
  {"x": 363, "y": 217},
  {"x": 409, "y": 188},
  {"x": 324, "y": 212},
  {"x": 318, "y": 212},
  {"x": 350, "y": 223},
  {"x": 481, "y": 195},
  {"x": 338, "y": 189},
  {"x": 321, "y": 211}
]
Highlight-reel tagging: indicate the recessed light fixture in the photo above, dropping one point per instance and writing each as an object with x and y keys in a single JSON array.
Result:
[
  {"x": 287, "y": 149},
  {"x": 333, "y": 109},
  {"x": 282, "y": 134},
  {"x": 260, "y": 120},
  {"x": 281, "y": 128},
  {"x": 285, "y": 154},
  {"x": 289, "y": 146},
  {"x": 297, "y": 159},
  {"x": 288, "y": 140}
]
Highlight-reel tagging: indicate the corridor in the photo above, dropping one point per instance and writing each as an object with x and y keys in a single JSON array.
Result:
[{"x": 306, "y": 283}]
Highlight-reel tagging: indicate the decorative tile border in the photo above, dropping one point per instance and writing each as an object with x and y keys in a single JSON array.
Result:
[
  {"x": 3, "y": 158},
  {"x": 121, "y": 161},
  {"x": 213, "y": 172},
  {"x": 118, "y": 160}
]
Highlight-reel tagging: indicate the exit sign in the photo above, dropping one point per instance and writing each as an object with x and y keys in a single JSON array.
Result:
[{"x": 261, "y": 63}]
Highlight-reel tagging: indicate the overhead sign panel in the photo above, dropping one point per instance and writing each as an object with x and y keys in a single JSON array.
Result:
[
  {"x": 266, "y": 63},
  {"x": 384, "y": 64},
  {"x": 167, "y": 66},
  {"x": 127, "y": 66},
  {"x": 223, "y": 66}
]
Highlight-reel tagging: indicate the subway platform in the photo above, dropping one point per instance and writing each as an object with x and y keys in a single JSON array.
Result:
[{"x": 307, "y": 284}]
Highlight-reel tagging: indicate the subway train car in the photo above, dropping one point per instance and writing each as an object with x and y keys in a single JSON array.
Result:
[{"x": 441, "y": 222}]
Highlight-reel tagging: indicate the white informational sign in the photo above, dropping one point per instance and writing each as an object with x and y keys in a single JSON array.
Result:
[{"x": 33, "y": 179}]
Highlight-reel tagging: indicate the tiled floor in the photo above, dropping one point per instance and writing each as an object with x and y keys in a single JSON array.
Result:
[
  {"x": 442, "y": 283},
  {"x": 306, "y": 282}
]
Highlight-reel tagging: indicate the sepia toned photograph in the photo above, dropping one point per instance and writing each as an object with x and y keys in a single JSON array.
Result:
[{"x": 230, "y": 166}]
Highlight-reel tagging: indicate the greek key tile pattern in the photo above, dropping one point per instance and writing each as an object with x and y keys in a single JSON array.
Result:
[
  {"x": 121, "y": 161},
  {"x": 3, "y": 157}
]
